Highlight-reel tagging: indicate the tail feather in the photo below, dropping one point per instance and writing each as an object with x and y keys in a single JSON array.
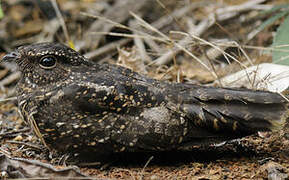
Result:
[{"x": 233, "y": 112}]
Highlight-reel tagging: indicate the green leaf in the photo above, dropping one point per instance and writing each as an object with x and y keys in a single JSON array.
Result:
[
  {"x": 284, "y": 11},
  {"x": 271, "y": 20},
  {"x": 1, "y": 12},
  {"x": 281, "y": 44},
  {"x": 282, "y": 7}
]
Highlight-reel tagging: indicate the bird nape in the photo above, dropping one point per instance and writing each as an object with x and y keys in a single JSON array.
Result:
[{"x": 77, "y": 106}]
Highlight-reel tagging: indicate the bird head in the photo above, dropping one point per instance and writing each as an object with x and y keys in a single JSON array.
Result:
[{"x": 45, "y": 63}]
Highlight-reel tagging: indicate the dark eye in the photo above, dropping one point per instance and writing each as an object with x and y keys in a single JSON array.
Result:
[{"x": 47, "y": 62}]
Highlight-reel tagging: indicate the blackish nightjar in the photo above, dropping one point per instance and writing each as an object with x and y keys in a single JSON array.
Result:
[{"x": 75, "y": 105}]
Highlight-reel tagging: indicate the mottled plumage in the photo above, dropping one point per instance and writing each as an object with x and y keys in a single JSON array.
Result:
[{"x": 75, "y": 105}]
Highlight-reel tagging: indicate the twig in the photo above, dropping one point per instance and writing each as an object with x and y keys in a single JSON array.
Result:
[
  {"x": 147, "y": 163},
  {"x": 140, "y": 44},
  {"x": 118, "y": 13},
  {"x": 107, "y": 48},
  {"x": 283, "y": 96},
  {"x": 145, "y": 36},
  {"x": 153, "y": 45},
  {"x": 214, "y": 69},
  {"x": 10, "y": 79},
  {"x": 210, "y": 44},
  {"x": 178, "y": 13},
  {"x": 232, "y": 44},
  {"x": 3, "y": 73},
  {"x": 178, "y": 45},
  {"x": 7, "y": 134},
  {"x": 165, "y": 20},
  {"x": 3, "y": 151},
  {"x": 25, "y": 144},
  {"x": 220, "y": 50},
  {"x": 220, "y": 15},
  {"x": 8, "y": 99},
  {"x": 61, "y": 20},
  {"x": 150, "y": 27}
]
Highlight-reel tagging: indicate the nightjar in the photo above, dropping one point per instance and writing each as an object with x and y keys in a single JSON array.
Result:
[{"x": 75, "y": 105}]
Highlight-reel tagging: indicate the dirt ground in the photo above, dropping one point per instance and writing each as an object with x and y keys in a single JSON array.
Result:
[{"x": 121, "y": 32}]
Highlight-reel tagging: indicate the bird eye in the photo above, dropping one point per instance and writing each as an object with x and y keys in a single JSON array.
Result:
[{"x": 47, "y": 62}]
